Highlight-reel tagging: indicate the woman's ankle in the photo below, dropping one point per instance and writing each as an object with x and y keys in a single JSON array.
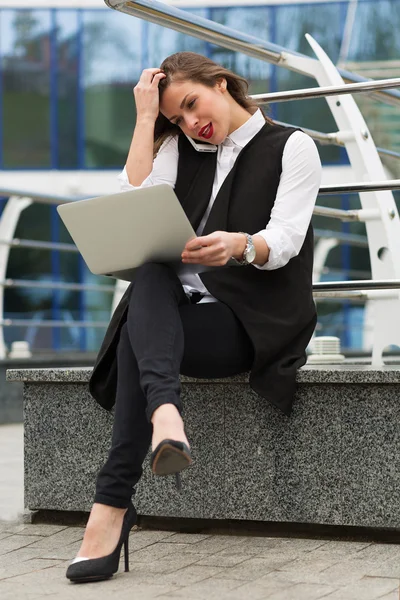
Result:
[
  {"x": 167, "y": 424},
  {"x": 165, "y": 414}
]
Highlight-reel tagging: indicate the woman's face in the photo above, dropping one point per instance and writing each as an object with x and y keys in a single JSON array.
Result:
[{"x": 203, "y": 113}]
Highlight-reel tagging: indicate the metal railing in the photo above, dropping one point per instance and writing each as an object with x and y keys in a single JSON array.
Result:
[
  {"x": 349, "y": 137},
  {"x": 320, "y": 290},
  {"x": 378, "y": 209},
  {"x": 221, "y": 35},
  {"x": 323, "y": 92}
]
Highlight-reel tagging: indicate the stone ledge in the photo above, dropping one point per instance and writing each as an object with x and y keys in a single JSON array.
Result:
[
  {"x": 335, "y": 461},
  {"x": 343, "y": 373}
]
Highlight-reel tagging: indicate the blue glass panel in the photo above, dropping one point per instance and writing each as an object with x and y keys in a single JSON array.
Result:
[
  {"x": 325, "y": 23},
  {"x": 67, "y": 87},
  {"x": 254, "y": 21},
  {"x": 25, "y": 48},
  {"x": 375, "y": 34},
  {"x": 162, "y": 42},
  {"x": 111, "y": 63}
]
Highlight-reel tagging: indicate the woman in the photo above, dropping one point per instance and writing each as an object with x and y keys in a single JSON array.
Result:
[{"x": 242, "y": 300}]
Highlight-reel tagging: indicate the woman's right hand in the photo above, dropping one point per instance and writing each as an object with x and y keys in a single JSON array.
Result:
[{"x": 147, "y": 95}]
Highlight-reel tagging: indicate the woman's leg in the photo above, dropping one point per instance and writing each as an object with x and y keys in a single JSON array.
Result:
[
  {"x": 216, "y": 344},
  {"x": 156, "y": 334},
  {"x": 164, "y": 335},
  {"x": 154, "y": 330},
  {"x": 157, "y": 339},
  {"x": 130, "y": 442},
  {"x": 131, "y": 435}
]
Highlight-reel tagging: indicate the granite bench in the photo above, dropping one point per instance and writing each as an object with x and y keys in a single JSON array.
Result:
[{"x": 334, "y": 461}]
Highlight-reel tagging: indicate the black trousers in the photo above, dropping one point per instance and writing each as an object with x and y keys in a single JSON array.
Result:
[{"x": 164, "y": 335}]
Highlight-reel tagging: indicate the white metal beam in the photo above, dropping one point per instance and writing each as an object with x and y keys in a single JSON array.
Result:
[{"x": 178, "y": 3}]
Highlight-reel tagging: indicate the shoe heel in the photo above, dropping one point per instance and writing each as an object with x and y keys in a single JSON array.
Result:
[
  {"x": 178, "y": 482},
  {"x": 126, "y": 552}
]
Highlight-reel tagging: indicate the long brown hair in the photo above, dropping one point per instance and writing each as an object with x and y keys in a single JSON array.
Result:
[{"x": 200, "y": 69}]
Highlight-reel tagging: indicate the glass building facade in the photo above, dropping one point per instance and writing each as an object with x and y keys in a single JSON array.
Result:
[{"x": 66, "y": 79}]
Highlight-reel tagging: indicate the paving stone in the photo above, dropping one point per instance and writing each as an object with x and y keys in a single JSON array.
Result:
[
  {"x": 187, "y": 538},
  {"x": 252, "y": 569},
  {"x": 11, "y": 527},
  {"x": 164, "y": 565},
  {"x": 52, "y": 574},
  {"x": 379, "y": 552},
  {"x": 142, "y": 591},
  {"x": 255, "y": 591},
  {"x": 212, "y": 589},
  {"x": 43, "y": 530},
  {"x": 309, "y": 564},
  {"x": 390, "y": 568},
  {"x": 395, "y": 595},
  {"x": 11, "y": 591},
  {"x": 303, "y": 591},
  {"x": 140, "y": 539},
  {"x": 62, "y": 553},
  {"x": 190, "y": 575},
  {"x": 29, "y": 566},
  {"x": 217, "y": 543},
  {"x": 60, "y": 539},
  {"x": 14, "y": 542},
  {"x": 157, "y": 551},
  {"x": 368, "y": 589},
  {"x": 339, "y": 549},
  {"x": 172, "y": 565},
  {"x": 20, "y": 555},
  {"x": 301, "y": 545},
  {"x": 324, "y": 577},
  {"x": 223, "y": 560}
]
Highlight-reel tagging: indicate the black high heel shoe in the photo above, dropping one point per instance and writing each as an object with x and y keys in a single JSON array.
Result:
[
  {"x": 84, "y": 570},
  {"x": 171, "y": 457}
]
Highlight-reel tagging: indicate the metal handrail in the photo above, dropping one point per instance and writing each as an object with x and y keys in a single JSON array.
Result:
[
  {"x": 50, "y": 323},
  {"x": 348, "y": 238},
  {"x": 329, "y": 90},
  {"x": 347, "y": 188},
  {"x": 17, "y": 243},
  {"x": 386, "y": 152},
  {"x": 331, "y": 139},
  {"x": 184, "y": 22},
  {"x": 361, "y": 186},
  {"x": 37, "y": 196},
  {"x": 57, "y": 285},
  {"x": 362, "y": 284}
]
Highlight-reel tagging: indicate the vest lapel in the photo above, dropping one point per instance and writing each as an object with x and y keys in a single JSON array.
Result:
[
  {"x": 200, "y": 167},
  {"x": 218, "y": 217}
]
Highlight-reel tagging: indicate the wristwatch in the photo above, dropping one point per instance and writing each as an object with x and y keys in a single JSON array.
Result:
[{"x": 249, "y": 253}]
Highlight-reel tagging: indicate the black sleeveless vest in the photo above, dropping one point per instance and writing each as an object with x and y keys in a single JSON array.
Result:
[{"x": 275, "y": 307}]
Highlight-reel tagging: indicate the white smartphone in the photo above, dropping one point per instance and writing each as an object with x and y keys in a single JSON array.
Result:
[{"x": 202, "y": 147}]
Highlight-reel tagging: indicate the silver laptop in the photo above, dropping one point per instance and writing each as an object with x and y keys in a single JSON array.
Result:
[{"x": 118, "y": 233}]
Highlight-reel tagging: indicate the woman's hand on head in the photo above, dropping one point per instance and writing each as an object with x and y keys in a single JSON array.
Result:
[
  {"x": 147, "y": 95},
  {"x": 215, "y": 249}
]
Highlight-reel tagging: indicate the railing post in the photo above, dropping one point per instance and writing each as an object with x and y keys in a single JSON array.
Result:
[
  {"x": 383, "y": 230},
  {"x": 8, "y": 224}
]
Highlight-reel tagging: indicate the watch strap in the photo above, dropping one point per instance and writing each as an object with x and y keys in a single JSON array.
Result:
[{"x": 249, "y": 243}]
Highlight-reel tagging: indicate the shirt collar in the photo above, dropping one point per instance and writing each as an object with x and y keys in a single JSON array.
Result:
[{"x": 241, "y": 136}]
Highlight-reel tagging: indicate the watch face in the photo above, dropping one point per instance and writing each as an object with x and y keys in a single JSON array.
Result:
[{"x": 250, "y": 254}]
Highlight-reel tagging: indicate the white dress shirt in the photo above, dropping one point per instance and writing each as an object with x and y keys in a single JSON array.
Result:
[{"x": 295, "y": 199}]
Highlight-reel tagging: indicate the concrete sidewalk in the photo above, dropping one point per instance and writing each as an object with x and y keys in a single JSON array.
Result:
[
  {"x": 34, "y": 558},
  {"x": 11, "y": 471}
]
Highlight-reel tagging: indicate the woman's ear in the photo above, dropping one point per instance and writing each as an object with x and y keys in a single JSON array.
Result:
[{"x": 221, "y": 84}]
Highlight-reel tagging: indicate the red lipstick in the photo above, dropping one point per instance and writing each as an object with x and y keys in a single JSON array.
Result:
[{"x": 207, "y": 131}]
